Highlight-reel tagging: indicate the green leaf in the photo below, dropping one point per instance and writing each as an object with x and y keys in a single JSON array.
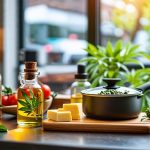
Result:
[
  {"x": 95, "y": 70},
  {"x": 31, "y": 93},
  {"x": 7, "y": 90},
  {"x": 35, "y": 103},
  {"x": 88, "y": 59},
  {"x": 27, "y": 99},
  {"x": 109, "y": 49},
  {"x": 134, "y": 48},
  {"x": 111, "y": 74},
  {"x": 3, "y": 128},
  {"x": 134, "y": 61},
  {"x": 94, "y": 76},
  {"x": 25, "y": 109},
  {"x": 122, "y": 66},
  {"x": 29, "y": 106},
  {"x": 101, "y": 51},
  {"x": 147, "y": 56},
  {"x": 91, "y": 49},
  {"x": 118, "y": 47},
  {"x": 22, "y": 102},
  {"x": 146, "y": 101},
  {"x": 95, "y": 82},
  {"x": 89, "y": 66}
]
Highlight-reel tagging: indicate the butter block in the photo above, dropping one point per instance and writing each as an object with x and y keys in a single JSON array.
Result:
[
  {"x": 55, "y": 115},
  {"x": 75, "y": 109}
]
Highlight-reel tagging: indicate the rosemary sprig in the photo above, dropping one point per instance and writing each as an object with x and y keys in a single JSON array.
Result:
[
  {"x": 30, "y": 104},
  {"x": 3, "y": 128}
]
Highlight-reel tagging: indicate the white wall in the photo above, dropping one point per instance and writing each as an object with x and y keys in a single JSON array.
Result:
[{"x": 10, "y": 43}]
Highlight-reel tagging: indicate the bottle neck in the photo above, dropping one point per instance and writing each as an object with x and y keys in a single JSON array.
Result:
[
  {"x": 32, "y": 81},
  {"x": 26, "y": 78}
]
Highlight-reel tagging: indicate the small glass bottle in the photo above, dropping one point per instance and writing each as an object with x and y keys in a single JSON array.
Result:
[
  {"x": 30, "y": 97},
  {"x": 80, "y": 84}
]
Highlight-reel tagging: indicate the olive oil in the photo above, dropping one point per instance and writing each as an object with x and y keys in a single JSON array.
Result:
[
  {"x": 30, "y": 97},
  {"x": 80, "y": 84},
  {"x": 76, "y": 98},
  {"x": 35, "y": 116}
]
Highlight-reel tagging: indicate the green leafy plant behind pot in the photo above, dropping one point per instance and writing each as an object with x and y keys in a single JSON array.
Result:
[
  {"x": 137, "y": 78},
  {"x": 110, "y": 61}
]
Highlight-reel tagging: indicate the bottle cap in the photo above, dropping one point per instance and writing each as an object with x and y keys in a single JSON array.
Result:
[{"x": 81, "y": 74}]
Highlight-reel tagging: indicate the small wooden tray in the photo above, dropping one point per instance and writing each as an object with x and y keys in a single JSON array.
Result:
[
  {"x": 12, "y": 109},
  {"x": 92, "y": 125},
  {"x": 48, "y": 103}
]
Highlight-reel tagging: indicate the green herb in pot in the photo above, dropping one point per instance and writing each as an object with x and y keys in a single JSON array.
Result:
[{"x": 113, "y": 92}]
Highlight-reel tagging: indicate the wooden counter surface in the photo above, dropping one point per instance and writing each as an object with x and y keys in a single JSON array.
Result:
[{"x": 37, "y": 139}]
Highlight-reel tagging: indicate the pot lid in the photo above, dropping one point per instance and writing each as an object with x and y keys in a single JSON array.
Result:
[{"x": 111, "y": 89}]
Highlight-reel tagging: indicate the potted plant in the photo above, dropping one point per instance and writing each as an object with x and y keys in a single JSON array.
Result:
[{"x": 111, "y": 62}]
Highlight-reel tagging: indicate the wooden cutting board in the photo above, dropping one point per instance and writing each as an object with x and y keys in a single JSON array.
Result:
[{"x": 92, "y": 125}]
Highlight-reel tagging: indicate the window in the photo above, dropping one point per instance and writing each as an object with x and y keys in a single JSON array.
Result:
[
  {"x": 55, "y": 33},
  {"x": 56, "y": 30},
  {"x": 128, "y": 20}
]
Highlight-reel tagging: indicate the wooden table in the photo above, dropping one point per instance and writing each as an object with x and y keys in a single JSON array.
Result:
[{"x": 37, "y": 139}]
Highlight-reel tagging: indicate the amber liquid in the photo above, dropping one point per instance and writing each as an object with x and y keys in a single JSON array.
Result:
[
  {"x": 34, "y": 118},
  {"x": 76, "y": 98}
]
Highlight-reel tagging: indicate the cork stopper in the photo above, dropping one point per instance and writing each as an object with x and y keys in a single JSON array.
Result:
[
  {"x": 30, "y": 70},
  {"x": 30, "y": 66}
]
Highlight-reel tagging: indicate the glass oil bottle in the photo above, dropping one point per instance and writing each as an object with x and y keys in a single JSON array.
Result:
[
  {"x": 30, "y": 97},
  {"x": 81, "y": 83}
]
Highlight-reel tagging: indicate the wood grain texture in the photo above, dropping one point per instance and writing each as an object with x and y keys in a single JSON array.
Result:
[{"x": 91, "y": 125}]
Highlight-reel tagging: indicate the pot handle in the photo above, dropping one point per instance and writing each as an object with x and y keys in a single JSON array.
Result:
[
  {"x": 111, "y": 82},
  {"x": 145, "y": 86}
]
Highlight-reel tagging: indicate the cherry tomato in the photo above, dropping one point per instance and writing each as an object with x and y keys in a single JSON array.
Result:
[
  {"x": 27, "y": 91},
  {"x": 5, "y": 100},
  {"x": 46, "y": 90},
  {"x": 12, "y": 99}
]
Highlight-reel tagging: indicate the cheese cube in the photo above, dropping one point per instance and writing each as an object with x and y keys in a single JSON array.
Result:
[
  {"x": 52, "y": 114},
  {"x": 60, "y": 109},
  {"x": 56, "y": 115},
  {"x": 75, "y": 109},
  {"x": 64, "y": 116},
  {"x": 76, "y": 116}
]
